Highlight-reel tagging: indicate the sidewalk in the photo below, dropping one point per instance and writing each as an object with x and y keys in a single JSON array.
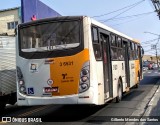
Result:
[
  {"x": 153, "y": 108},
  {"x": 149, "y": 106}
]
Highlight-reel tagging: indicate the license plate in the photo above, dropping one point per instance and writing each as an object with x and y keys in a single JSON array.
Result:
[{"x": 50, "y": 89}]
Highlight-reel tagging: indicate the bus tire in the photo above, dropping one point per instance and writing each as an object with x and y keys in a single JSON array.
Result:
[
  {"x": 119, "y": 92},
  {"x": 137, "y": 85},
  {"x": 12, "y": 98},
  {"x": 2, "y": 106}
]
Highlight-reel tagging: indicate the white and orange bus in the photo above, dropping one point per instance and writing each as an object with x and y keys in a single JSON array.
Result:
[{"x": 74, "y": 60}]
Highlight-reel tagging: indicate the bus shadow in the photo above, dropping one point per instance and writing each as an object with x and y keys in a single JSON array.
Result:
[
  {"x": 71, "y": 113},
  {"x": 132, "y": 95},
  {"x": 13, "y": 111}
]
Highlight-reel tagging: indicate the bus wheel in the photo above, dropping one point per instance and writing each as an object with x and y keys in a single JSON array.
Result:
[
  {"x": 119, "y": 97},
  {"x": 2, "y": 107},
  {"x": 136, "y": 86}
]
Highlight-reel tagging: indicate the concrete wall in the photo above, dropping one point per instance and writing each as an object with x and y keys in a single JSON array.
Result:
[{"x": 8, "y": 15}]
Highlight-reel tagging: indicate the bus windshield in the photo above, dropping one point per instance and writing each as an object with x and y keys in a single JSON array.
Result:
[{"x": 50, "y": 36}]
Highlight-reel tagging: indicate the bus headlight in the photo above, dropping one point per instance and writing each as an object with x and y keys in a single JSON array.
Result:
[
  {"x": 22, "y": 89},
  {"x": 84, "y": 78},
  {"x": 84, "y": 72},
  {"x": 84, "y": 82},
  {"x": 21, "y": 83},
  {"x": 84, "y": 86}
]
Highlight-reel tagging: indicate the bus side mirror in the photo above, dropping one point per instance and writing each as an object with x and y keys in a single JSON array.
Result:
[{"x": 142, "y": 50}]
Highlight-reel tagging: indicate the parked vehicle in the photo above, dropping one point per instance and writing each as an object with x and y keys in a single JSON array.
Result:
[
  {"x": 7, "y": 71},
  {"x": 146, "y": 63},
  {"x": 155, "y": 66},
  {"x": 150, "y": 66}
]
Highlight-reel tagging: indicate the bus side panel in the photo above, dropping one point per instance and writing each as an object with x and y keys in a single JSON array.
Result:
[
  {"x": 97, "y": 80},
  {"x": 118, "y": 71},
  {"x": 65, "y": 73},
  {"x": 132, "y": 73}
]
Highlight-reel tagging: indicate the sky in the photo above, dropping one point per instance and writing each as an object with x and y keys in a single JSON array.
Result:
[{"x": 130, "y": 21}]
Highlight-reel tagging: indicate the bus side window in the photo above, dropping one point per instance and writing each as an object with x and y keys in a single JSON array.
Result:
[
  {"x": 95, "y": 35},
  {"x": 96, "y": 44},
  {"x": 114, "y": 49},
  {"x": 120, "y": 50},
  {"x": 119, "y": 42},
  {"x": 134, "y": 54},
  {"x": 97, "y": 51},
  {"x": 136, "y": 51},
  {"x": 130, "y": 50},
  {"x": 113, "y": 41},
  {"x": 114, "y": 53}
]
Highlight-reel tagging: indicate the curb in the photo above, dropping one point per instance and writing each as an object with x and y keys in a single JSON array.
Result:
[{"x": 147, "y": 104}]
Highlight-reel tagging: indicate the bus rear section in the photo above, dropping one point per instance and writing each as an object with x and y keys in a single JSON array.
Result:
[
  {"x": 53, "y": 65},
  {"x": 74, "y": 60}
]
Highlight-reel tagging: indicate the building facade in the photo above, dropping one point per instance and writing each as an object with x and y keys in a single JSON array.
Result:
[{"x": 9, "y": 18}]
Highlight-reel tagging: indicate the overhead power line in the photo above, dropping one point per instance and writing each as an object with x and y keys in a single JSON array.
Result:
[
  {"x": 135, "y": 17},
  {"x": 117, "y": 10},
  {"x": 131, "y": 16},
  {"x": 150, "y": 40},
  {"x": 124, "y": 11},
  {"x": 124, "y": 22},
  {"x": 146, "y": 45},
  {"x": 148, "y": 50},
  {"x": 131, "y": 20}
]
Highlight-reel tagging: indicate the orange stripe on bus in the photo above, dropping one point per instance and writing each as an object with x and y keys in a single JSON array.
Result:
[{"x": 65, "y": 72}]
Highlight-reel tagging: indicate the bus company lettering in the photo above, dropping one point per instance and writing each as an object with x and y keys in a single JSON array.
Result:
[
  {"x": 67, "y": 79},
  {"x": 115, "y": 67}
]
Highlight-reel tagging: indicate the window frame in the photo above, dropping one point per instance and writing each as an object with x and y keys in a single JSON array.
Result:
[
  {"x": 12, "y": 25},
  {"x": 96, "y": 44},
  {"x": 115, "y": 41}
]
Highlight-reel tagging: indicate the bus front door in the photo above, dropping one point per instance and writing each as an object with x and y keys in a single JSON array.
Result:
[
  {"x": 126, "y": 59},
  {"x": 106, "y": 66}
]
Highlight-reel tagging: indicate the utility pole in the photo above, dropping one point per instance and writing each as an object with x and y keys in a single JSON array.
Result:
[
  {"x": 156, "y": 4},
  {"x": 155, "y": 46},
  {"x": 156, "y": 51},
  {"x": 157, "y": 57}
]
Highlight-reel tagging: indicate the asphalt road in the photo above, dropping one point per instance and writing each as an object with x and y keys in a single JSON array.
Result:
[{"x": 88, "y": 115}]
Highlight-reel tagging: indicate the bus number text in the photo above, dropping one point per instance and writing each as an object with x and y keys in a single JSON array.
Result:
[{"x": 69, "y": 63}]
